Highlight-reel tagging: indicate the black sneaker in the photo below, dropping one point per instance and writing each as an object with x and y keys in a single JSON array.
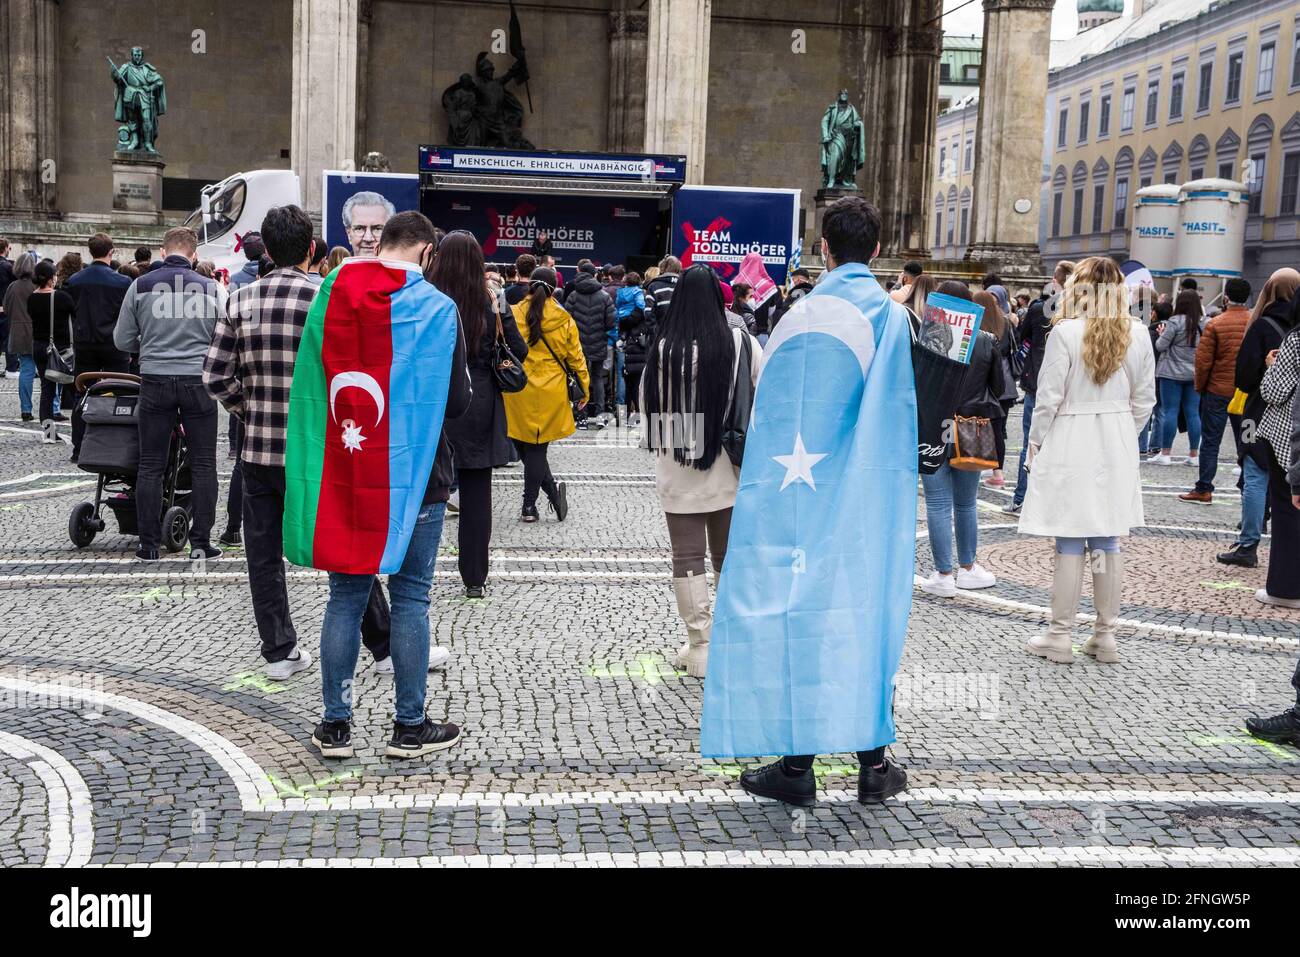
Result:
[
  {"x": 1282, "y": 728},
  {"x": 333, "y": 739},
  {"x": 73, "y": 458},
  {"x": 205, "y": 552},
  {"x": 475, "y": 591},
  {"x": 581, "y": 424},
  {"x": 529, "y": 514},
  {"x": 412, "y": 741},
  {"x": 880, "y": 784},
  {"x": 1244, "y": 555},
  {"x": 147, "y": 555},
  {"x": 231, "y": 539},
  {"x": 58, "y": 416},
  {"x": 559, "y": 501},
  {"x": 773, "y": 781},
  {"x": 27, "y": 417}
]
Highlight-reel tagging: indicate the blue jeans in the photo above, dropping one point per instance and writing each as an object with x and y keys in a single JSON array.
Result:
[
  {"x": 1150, "y": 433},
  {"x": 26, "y": 379},
  {"x": 620, "y": 386},
  {"x": 1254, "y": 493},
  {"x": 1175, "y": 395},
  {"x": 408, "y": 590},
  {"x": 1022, "y": 477},
  {"x": 1075, "y": 546},
  {"x": 950, "y": 494},
  {"x": 1214, "y": 419}
]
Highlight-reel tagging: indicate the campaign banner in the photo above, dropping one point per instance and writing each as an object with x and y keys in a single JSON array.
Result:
[
  {"x": 638, "y": 167},
  {"x": 949, "y": 325},
  {"x": 355, "y": 206},
  {"x": 600, "y": 228},
  {"x": 720, "y": 225}
]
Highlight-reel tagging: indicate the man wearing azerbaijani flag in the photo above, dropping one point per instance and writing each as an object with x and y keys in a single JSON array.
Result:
[
  {"x": 816, "y": 592},
  {"x": 368, "y": 470}
]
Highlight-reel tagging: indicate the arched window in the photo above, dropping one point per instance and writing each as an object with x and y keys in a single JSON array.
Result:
[
  {"x": 1171, "y": 162},
  {"x": 952, "y": 215},
  {"x": 965, "y": 214},
  {"x": 1225, "y": 155},
  {"x": 1058, "y": 199},
  {"x": 1123, "y": 179},
  {"x": 1258, "y": 141},
  {"x": 938, "y": 220},
  {"x": 1289, "y": 193},
  {"x": 1078, "y": 183},
  {"x": 1146, "y": 168},
  {"x": 1198, "y": 155},
  {"x": 1100, "y": 173}
]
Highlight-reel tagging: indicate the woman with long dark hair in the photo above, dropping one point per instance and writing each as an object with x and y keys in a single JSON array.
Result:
[
  {"x": 542, "y": 413},
  {"x": 51, "y": 311},
  {"x": 478, "y": 438},
  {"x": 689, "y": 382},
  {"x": 1176, "y": 375}
]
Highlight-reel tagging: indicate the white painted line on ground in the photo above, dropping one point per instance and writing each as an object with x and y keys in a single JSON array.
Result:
[
  {"x": 885, "y": 857},
  {"x": 46, "y": 492},
  {"x": 69, "y": 816}
]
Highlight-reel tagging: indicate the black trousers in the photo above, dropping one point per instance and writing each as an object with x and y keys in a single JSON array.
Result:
[
  {"x": 162, "y": 399},
  {"x": 802, "y": 762},
  {"x": 596, "y": 388},
  {"x": 263, "y": 508},
  {"x": 475, "y": 532},
  {"x": 632, "y": 383},
  {"x": 94, "y": 357},
  {"x": 1284, "y": 548},
  {"x": 537, "y": 471},
  {"x": 235, "y": 494},
  {"x": 40, "y": 353}
]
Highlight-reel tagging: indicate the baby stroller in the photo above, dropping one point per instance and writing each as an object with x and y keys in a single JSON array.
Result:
[{"x": 110, "y": 448}]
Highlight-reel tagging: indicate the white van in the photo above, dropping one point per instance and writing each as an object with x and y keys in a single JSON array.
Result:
[{"x": 236, "y": 206}]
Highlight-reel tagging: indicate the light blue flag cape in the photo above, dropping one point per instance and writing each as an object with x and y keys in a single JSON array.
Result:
[{"x": 816, "y": 588}]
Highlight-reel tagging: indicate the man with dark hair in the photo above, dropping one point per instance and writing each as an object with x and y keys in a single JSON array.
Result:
[
  {"x": 1188, "y": 282},
  {"x": 1215, "y": 381},
  {"x": 800, "y": 285},
  {"x": 542, "y": 246},
  {"x": 168, "y": 317},
  {"x": 319, "y": 252},
  {"x": 991, "y": 279},
  {"x": 97, "y": 292},
  {"x": 11, "y": 363},
  {"x": 254, "y": 249},
  {"x": 835, "y": 460},
  {"x": 592, "y": 309},
  {"x": 524, "y": 266},
  {"x": 143, "y": 257},
  {"x": 902, "y": 290},
  {"x": 1032, "y": 334}
]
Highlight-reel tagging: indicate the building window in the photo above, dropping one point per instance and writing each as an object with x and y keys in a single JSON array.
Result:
[
  {"x": 1126, "y": 109},
  {"x": 1076, "y": 220},
  {"x": 1153, "y": 102},
  {"x": 1061, "y": 128},
  {"x": 943, "y": 161},
  {"x": 968, "y": 160},
  {"x": 952, "y": 222},
  {"x": 1103, "y": 117},
  {"x": 1098, "y": 202},
  {"x": 1144, "y": 182},
  {"x": 938, "y": 228},
  {"x": 1176, "y": 97},
  {"x": 1233, "y": 91},
  {"x": 965, "y": 221},
  {"x": 1256, "y": 183},
  {"x": 1295, "y": 61},
  {"x": 1057, "y": 199},
  {"x": 1198, "y": 172},
  {"x": 1203, "y": 90},
  {"x": 1121, "y": 202},
  {"x": 1264, "y": 77},
  {"x": 1290, "y": 184},
  {"x": 1084, "y": 109},
  {"x": 945, "y": 72},
  {"x": 1226, "y": 171},
  {"x": 1171, "y": 177}
]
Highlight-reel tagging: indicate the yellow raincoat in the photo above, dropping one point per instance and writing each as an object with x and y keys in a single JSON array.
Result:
[{"x": 541, "y": 412}]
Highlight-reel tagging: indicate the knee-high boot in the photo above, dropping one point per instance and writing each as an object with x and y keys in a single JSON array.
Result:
[
  {"x": 696, "y": 610},
  {"x": 1067, "y": 583}
]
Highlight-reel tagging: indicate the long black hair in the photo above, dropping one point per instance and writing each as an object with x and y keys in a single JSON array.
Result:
[
  {"x": 541, "y": 284},
  {"x": 458, "y": 272},
  {"x": 694, "y": 332}
]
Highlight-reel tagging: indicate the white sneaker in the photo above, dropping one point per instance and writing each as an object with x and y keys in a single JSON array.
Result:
[
  {"x": 453, "y": 504},
  {"x": 1160, "y": 460},
  {"x": 945, "y": 586},
  {"x": 1263, "y": 596},
  {"x": 438, "y": 658},
  {"x": 1236, "y": 471},
  {"x": 300, "y": 660},
  {"x": 975, "y": 577}
]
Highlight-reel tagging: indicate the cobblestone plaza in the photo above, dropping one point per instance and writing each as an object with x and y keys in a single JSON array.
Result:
[{"x": 140, "y": 728}]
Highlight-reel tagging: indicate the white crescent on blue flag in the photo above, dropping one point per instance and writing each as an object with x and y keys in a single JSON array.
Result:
[{"x": 816, "y": 588}]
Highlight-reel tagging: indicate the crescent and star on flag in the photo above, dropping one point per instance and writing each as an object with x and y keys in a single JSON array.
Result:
[{"x": 352, "y": 436}]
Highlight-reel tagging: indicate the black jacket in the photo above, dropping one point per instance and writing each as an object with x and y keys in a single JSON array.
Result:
[
  {"x": 984, "y": 383},
  {"x": 98, "y": 292},
  {"x": 458, "y": 398},
  {"x": 797, "y": 292},
  {"x": 593, "y": 311},
  {"x": 478, "y": 438},
  {"x": 6, "y": 277},
  {"x": 541, "y": 250},
  {"x": 1034, "y": 329},
  {"x": 1261, "y": 338},
  {"x": 638, "y": 329}
]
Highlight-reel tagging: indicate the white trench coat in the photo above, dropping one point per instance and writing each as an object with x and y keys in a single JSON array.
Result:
[{"x": 1084, "y": 476}]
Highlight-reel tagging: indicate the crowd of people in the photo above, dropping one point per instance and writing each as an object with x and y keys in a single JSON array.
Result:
[{"x": 1105, "y": 378}]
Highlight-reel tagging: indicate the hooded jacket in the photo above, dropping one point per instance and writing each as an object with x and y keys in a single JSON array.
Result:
[{"x": 593, "y": 311}]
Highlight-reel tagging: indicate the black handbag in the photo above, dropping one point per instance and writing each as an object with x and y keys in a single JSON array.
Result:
[
  {"x": 507, "y": 371},
  {"x": 60, "y": 365},
  {"x": 735, "y": 424},
  {"x": 576, "y": 392}
]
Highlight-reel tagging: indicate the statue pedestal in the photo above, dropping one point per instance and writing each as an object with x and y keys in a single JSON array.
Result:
[
  {"x": 137, "y": 187},
  {"x": 821, "y": 199}
]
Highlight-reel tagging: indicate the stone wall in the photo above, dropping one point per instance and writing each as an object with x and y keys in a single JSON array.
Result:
[{"x": 227, "y": 109}]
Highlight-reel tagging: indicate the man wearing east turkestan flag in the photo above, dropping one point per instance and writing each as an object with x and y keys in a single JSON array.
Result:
[{"x": 368, "y": 470}]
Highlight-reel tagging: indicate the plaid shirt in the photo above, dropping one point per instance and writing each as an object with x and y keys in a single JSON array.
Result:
[{"x": 249, "y": 366}]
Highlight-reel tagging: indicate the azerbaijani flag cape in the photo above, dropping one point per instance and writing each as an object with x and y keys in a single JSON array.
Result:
[
  {"x": 365, "y": 412},
  {"x": 816, "y": 590}
]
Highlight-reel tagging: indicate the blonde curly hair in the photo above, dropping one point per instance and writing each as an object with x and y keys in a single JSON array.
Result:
[{"x": 1096, "y": 294}]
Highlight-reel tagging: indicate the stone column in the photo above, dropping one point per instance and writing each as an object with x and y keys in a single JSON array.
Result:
[
  {"x": 677, "y": 81},
  {"x": 625, "y": 127},
  {"x": 911, "y": 108},
  {"x": 324, "y": 92},
  {"x": 1009, "y": 137},
  {"x": 29, "y": 120}
]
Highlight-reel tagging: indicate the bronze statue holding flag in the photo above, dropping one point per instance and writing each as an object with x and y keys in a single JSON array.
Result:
[{"x": 141, "y": 99}]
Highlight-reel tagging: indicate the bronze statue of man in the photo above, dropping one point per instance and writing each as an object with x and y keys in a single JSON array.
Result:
[
  {"x": 844, "y": 144},
  {"x": 141, "y": 98}
]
